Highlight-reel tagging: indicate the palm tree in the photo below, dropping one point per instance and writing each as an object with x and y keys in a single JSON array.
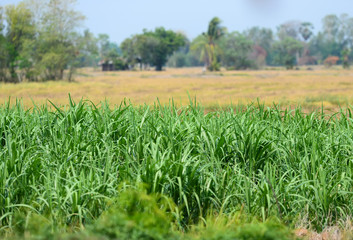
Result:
[
  {"x": 202, "y": 49},
  {"x": 206, "y": 44},
  {"x": 306, "y": 30}
]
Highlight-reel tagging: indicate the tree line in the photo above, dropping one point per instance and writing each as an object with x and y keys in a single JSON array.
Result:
[
  {"x": 41, "y": 40},
  {"x": 293, "y": 43}
]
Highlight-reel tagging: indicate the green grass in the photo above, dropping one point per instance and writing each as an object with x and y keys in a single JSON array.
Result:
[{"x": 72, "y": 169}]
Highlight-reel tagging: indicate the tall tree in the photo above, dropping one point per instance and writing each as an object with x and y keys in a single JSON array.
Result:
[
  {"x": 151, "y": 48},
  {"x": 263, "y": 40},
  {"x": 306, "y": 30},
  {"x": 260, "y": 36},
  {"x": 214, "y": 33},
  {"x": 146, "y": 48},
  {"x": 3, "y": 51},
  {"x": 236, "y": 51},
  {"x": 57, "y": 47},
  {"x": 128, "y": 47},
  {"x": 168, "y": 42},
  {"x": 103, "y": 45},
  {"x": 20, "y": 29},
  {"x": 322, "y": 47},
  {"x": 289, "y": 29},
  {"x": 331, "y": 27},
  {"x": 285, "y": 51},
  {"x": 335, "y": 37},
  {"x": 347, "y": 29},
  {"x": 200, "y": 47},
  {"x": 139, "y": 49},
  {"x": 338, "y": 29},
  {"x": 88, "y": 49},
  {"x": 207, "y": 44}
]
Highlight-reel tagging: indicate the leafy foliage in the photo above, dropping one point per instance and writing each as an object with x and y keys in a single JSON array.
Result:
[
  {"x": 20, "y": 30},
  {"x": 136, "y": 215},
  {"x": 207, "y": 44},
  {"x": 40, "y": 40},
  {"x": 306, "y": 30},
  {"x": 152, "y": 48},
  {"x": 237, "y": 49},
  {"x": 285, "y": 51}
]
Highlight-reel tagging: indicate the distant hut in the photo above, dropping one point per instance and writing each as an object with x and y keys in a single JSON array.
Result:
[{"x": 107, "y": 66}]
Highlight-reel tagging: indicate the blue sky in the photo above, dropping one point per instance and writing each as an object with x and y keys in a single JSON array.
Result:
[{"x": 121, "y": 19}]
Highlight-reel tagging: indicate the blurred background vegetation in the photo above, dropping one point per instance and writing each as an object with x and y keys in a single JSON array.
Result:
[{"x": 43, "y": 40}]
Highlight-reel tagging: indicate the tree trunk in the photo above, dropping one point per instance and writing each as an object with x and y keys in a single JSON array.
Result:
[
  {"x": 61, "y": 76},
  {"x": 70, "y": 75},
  {"x": 297, "y": 57},
  {"x": 13, "y": 74}
]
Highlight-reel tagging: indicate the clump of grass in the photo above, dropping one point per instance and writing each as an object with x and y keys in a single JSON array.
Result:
[{"x": 67, "y": 164}]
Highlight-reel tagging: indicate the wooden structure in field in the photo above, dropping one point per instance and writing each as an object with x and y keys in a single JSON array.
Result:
[{"x": 107, "y": 66}]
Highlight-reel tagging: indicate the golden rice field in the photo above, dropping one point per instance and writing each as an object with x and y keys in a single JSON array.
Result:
[{"x": 331, "y": 88}]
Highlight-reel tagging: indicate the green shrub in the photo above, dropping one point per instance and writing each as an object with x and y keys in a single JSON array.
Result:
[
  {"x": 136, "y": 215},
  {"x": 240, "y": 228}
]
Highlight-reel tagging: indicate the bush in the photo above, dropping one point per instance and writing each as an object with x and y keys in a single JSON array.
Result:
[
  {"x": 136, "y": 215},
  {"x": 238, "y": 227}
]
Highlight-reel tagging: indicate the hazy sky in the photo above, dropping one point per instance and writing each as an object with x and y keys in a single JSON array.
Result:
[{"x": 121, "y": 19}]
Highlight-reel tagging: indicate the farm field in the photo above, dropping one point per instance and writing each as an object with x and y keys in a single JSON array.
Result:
[
  {"x": 125, "y": 121},
  {"x": 311, "y": 89},
  {"x": 167, "y": 172},
  {"x": 138, "y": 145}
]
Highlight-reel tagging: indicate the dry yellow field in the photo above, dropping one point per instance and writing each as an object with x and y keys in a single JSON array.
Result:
[{"x": 310, "y": 88}]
